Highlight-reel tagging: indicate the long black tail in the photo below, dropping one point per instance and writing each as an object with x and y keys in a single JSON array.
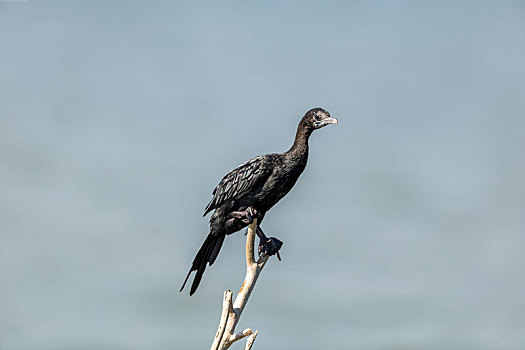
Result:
[{"x": 207, "y": 254}]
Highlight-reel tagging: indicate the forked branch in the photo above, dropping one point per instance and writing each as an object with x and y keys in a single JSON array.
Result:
[{"x": 231, "y": 312}]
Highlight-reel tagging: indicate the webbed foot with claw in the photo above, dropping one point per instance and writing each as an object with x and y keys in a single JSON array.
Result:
[
  {"x": 268, "y": 245},
  {"x": 247, "y": 215}
]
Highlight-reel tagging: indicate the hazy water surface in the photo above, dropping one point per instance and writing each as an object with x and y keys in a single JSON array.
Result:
[{"x": 117, "y": 119}]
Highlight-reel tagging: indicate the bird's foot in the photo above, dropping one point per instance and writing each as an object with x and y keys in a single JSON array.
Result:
[
  {"x": 247, "y": 215},
  {"x": 270, "y": 246}
]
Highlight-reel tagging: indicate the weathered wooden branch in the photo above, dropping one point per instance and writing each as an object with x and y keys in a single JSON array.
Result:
[{"x": 231, "y": 313}]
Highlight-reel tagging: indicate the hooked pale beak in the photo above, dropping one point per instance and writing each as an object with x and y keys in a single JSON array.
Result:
[{"x": 325, "y": 122}]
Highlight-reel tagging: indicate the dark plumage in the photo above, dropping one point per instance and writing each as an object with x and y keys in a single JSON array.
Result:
[{"x": 251, "y": 189}]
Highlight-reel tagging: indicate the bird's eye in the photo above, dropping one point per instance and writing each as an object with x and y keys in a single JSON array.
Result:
[{"x": 316, "y": 117}]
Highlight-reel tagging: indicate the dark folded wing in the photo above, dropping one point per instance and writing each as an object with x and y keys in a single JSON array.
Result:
[{"x": 240, "y": 181}]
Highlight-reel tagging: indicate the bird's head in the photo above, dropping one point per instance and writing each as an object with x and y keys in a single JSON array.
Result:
[{"x": 316, "y": 118}]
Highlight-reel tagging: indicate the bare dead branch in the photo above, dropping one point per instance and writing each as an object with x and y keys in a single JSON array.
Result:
[
  {"x": 250, "y": 341},
  {"x": 231, "y": 314},
  {"x": 240, "y": 335},
  {"x": 226, "y": 308}
]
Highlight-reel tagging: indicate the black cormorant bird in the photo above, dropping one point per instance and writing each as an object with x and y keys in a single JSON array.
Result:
[{"x": 251, "y": 189}]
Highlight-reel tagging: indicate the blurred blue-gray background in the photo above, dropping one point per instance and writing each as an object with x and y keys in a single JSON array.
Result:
[{"x": 117, "y": 119}]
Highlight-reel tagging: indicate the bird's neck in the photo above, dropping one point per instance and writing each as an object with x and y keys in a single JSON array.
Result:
[{"x": 299, "y": 148}]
